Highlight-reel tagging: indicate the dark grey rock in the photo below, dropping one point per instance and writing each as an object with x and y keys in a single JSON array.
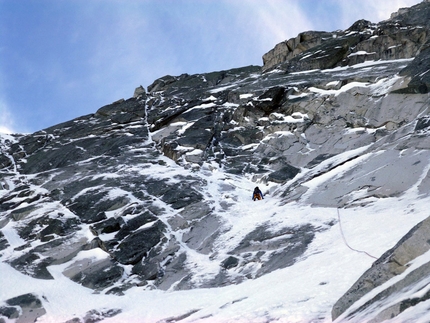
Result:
[
  {"x": 176, "y": 273},
  {"x": 91, "y": 208},
  {"x": 131, "y": 106},
  {"x": 137, "y": 245},
  {"x": 286, "y": 173},
  {"x": 284, "y": 247},
  {"x": 94, "y": 316},
  {"x": 147, "y": 270},
  {"x": 423, "y": 123},
  {"x": 271, "y": 99},
  {"x": 287, "y": 49},
  {"x": 3, "y": 242},
  {"x": 181, "y": 196},
  {"x": 32, "y": 265},
  {"x": 335, "y": 49},
  {"x": 230, "y": 262},
  {"x": 26, "y": 300},
  {"x": 159, "y": 259},
  {"x": 21, "y": 213},
  {"x": 57, "y": 226},
  {"x": 134, "y": 224},
  {"x": 31, "y": 308},
  {"x": 420, "y": 82},
  {"x": 108, "y": 226},
  {"x": 9, "y": 312},
  {"x": 99, "y": 276},
  {"x": 415, "y": 15}
]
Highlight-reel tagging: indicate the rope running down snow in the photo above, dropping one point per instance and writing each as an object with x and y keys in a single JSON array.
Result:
[{"x": 344, "y": 240}]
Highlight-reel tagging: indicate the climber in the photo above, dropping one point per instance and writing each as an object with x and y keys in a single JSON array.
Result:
[{"x": 257, "y": 195}]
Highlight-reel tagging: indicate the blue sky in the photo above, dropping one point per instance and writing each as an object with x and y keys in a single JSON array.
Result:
[{"x": 61, "y": 59}]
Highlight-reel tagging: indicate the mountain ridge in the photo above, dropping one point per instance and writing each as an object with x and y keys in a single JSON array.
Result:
[{"x": 151, "y": 193}]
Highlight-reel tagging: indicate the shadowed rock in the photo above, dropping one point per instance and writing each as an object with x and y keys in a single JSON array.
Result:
[{"x": 31, "y": 308}]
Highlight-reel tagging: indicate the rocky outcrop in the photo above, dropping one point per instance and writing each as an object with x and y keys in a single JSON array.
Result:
[
  {"x": 420, "y": 81},
  {"x": 25, "y": 308},
  {"x": 95, "y": 316},
  {"x": 289, "y": 49},
  {"x": 393, "y": 263},
  {"x": 404, "y": 35}
]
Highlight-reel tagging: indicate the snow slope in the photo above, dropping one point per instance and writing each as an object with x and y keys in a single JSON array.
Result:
[
  {"x": 304, "y": 292},
  {"x": 341, "y": 154}
]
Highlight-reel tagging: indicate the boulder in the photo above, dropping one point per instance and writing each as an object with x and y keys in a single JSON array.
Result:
[
  {"x": 230, "y": 262},
  {"x": 139, "y": 92}
]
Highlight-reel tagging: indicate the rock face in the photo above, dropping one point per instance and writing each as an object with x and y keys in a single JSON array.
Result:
[
  {"x": 395, "y": 262},
  {"x": 405, "y": 35},
  {"x": 127, "y": 187},
  {"x": 30, "y": 308}
]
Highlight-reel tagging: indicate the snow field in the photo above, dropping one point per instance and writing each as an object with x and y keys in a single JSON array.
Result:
[{"x": 304, "y": 292}]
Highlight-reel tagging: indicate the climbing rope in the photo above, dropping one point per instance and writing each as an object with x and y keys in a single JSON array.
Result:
[{"x": 344, "y": 240}]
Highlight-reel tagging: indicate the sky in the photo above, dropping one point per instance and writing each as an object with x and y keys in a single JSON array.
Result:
[{"x": 62, "y": 59}]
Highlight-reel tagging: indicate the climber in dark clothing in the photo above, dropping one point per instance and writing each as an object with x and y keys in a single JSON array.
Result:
[{"x": 257, "y": 195}]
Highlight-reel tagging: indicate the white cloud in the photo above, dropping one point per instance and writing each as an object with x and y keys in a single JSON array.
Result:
[
  {"x": 372, "y": 10},
  {"x": 269, "y": 22},
  {"x": 6, "y": 119},
  {"x": 383, "y": 10},
  {"x": 280, "y": 20}
]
